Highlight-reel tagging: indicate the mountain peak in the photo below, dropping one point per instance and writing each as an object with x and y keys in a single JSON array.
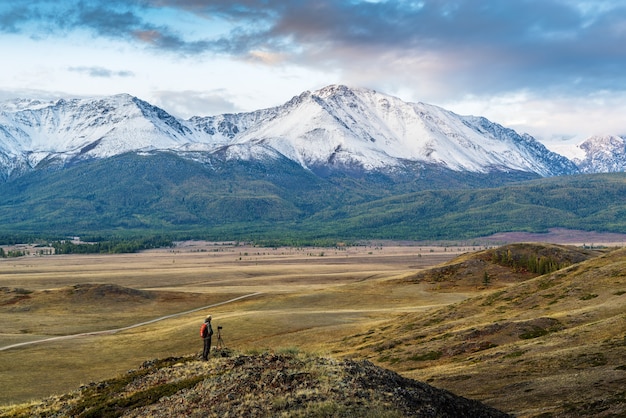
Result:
[
  {"x": 603, "y": 140},
  {"x": 21, "y": 104},
  {"x": 604, "y": 153},
  {"x": 333, "y": 90},
  {"x": 16, "y": 105}
]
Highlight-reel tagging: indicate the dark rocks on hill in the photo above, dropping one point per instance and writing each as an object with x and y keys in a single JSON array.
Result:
[{"x": 265, "y": 385}]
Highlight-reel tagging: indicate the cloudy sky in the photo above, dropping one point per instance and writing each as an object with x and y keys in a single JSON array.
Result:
[{"x": 552, "y": 68}]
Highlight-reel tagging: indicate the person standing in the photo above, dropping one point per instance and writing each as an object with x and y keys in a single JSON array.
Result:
[{"x": 206, "y": 331}]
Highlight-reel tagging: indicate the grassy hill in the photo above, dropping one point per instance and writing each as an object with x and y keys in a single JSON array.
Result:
[
  {"x": 81, "y": 307},
  {"x": 541, "y": 345},
  {"x": 502, "y": 266},
  {"x": 143, "y": 195}
]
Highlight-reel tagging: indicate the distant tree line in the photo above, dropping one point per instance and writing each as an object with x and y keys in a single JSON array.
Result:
[
  {"x": 23, "y": 238},
  {"x": 12, "y": 253},
  {"x": 110, "y": 247}
]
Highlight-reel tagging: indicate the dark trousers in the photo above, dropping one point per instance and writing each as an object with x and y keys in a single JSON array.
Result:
[{"x": 207, "y": 348}]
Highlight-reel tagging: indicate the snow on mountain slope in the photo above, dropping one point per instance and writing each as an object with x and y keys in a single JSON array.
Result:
[
  {"x": 87, "y": 128},
  {"x": 334, "y": 127},
  {"x": 603, "y": 153},
  {"x": 345, "y": 127}
]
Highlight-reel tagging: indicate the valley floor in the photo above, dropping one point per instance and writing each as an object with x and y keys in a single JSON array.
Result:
[{"x": 354, "y": 302}]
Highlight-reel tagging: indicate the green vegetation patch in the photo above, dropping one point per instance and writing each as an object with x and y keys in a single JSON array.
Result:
[
  {"x": 538, "y": 328},
  {"x": 515, "y": 354},
  {"x": 489, "y": 300},
  {"x": 431, "y": 355},
  {"x": 111, "y": 246}
]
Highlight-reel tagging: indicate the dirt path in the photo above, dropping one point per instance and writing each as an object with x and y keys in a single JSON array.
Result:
[{"x": 113, "y": 331}]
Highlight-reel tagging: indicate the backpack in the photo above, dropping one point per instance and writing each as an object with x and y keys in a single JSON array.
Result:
[{"x": 204, "y": 330}]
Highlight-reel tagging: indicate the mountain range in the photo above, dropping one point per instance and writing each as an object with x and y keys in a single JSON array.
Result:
[
  {"x": 334, "y": 128},
  {"x": 336, "y": 162}
]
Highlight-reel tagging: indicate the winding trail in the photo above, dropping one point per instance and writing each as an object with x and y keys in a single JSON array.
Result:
[{"x": 113, "y": 331}]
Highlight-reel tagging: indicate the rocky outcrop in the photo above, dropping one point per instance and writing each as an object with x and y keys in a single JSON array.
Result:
[{"x": 261, "y": 386}]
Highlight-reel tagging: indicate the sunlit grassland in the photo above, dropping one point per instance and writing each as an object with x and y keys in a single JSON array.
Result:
[
  {"x": 551, "y": 344},
  {"x": 308, "y": 299},
  {"x": 533, "y": 345}
]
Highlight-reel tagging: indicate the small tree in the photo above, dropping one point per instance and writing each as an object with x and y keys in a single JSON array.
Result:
[{"x": 486, "y": 278}]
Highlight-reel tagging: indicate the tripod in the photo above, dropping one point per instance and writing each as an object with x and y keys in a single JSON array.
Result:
[{"x": 220, "y": 341}]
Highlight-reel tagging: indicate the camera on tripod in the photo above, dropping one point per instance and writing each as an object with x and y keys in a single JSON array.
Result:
[{"x": 220, "y": 341}]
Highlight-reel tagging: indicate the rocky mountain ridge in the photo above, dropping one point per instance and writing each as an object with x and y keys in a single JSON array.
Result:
[{"x": 336, "y": 128}]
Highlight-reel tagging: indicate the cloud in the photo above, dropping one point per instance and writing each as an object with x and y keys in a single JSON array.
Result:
[
  {"x": 12, "y": 17},
  {"x": 101, "y": 72},
  {"x": 189, "y": 103},
  {"x": 442, "y": 47},
  {"x": 108, "y": 19},
  {"x": 445, "y": 46},
  {"x": 472, "y": 47},
  {"x": 36, "y": 94},
  {"x": 112, "y": 19}
]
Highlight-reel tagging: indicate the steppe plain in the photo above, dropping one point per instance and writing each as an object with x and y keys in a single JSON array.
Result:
[
  {"x": 302, "y": 297},
  {"x": 70, "y": 320}
]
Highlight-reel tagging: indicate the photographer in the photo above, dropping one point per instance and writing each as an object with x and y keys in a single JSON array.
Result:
[{"x": 206, "y": 331}]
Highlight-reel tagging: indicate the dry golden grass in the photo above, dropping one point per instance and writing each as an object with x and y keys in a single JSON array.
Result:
[
  {"x": 546, "y": 346},
  {"x": 310, "y": 298},
  {"x": 554, "y": 344}
]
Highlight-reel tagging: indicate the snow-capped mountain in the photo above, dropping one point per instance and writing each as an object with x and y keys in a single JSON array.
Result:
[
  {"x": 336, "y": 127},
  {"x": 602, "y": 154},
  {"x": 66, "y": 129},
  {"x": 344, "y": 127}
]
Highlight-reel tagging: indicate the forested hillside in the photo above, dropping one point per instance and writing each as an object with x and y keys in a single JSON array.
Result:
[{"x": 163, "y": 194}]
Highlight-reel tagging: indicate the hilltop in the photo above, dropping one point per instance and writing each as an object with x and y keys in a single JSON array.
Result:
[
  {"x": 263, "y": 385},
  {"x": 501, "y": 266}
]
